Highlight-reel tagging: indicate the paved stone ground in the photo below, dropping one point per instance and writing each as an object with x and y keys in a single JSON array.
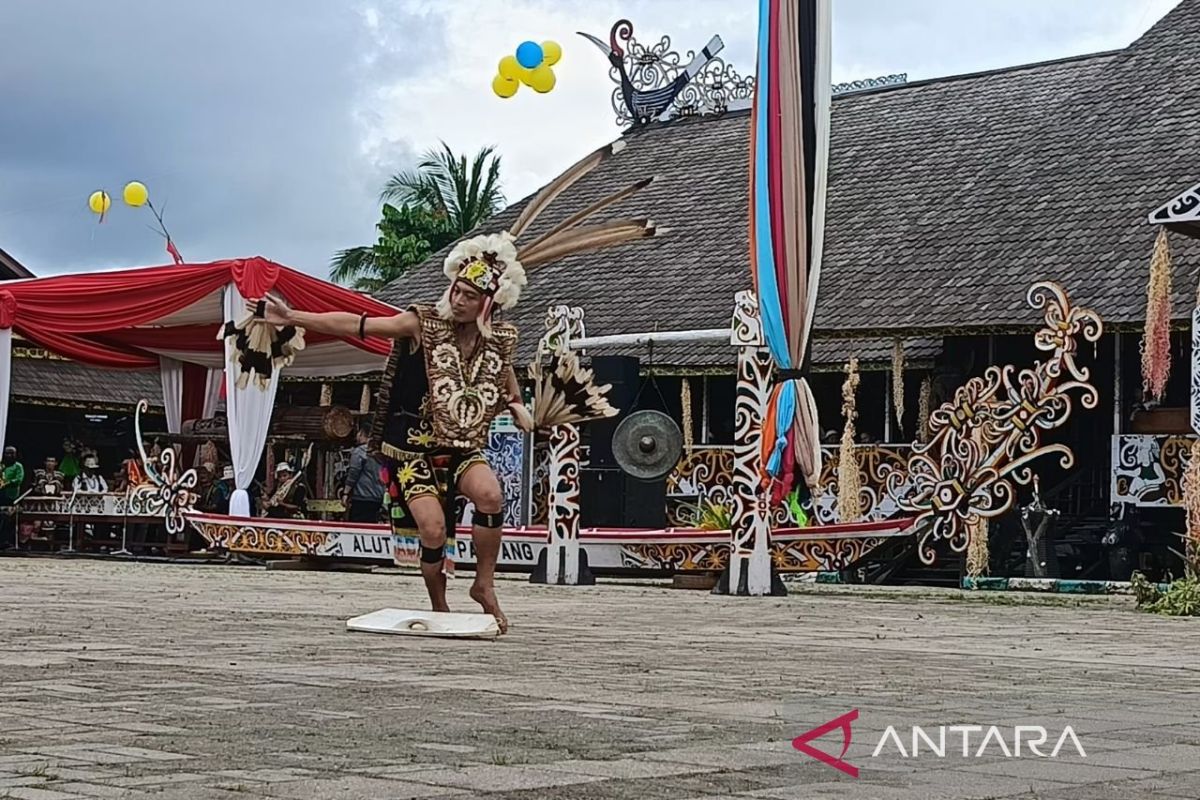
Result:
[{"x": 204, "y": 682}]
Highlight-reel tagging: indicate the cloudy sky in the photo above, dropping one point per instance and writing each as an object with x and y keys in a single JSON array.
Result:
[{"x": 266, "y": 127}]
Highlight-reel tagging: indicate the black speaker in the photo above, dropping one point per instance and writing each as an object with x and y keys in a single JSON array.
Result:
[
  {"x": 601, "y": 497},
  {"x": 608, "y": 498},
  {"x": 645, "y": 503},
  {"x": 622, "y": 373}
]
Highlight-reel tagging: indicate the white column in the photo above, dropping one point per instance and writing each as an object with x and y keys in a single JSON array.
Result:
[{"x": 249, "y": 413}]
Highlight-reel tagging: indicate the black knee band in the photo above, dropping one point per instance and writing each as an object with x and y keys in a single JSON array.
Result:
[
  {"x": 432, "y": 555},
  {"x": 486, "y": 520}
]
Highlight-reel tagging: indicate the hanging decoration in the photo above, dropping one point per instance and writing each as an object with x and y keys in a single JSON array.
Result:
[
  {"x": 898, "y": 385},
  {"x": 364, "y": 400},
  {"x": 924, "y": 401},
  {"x": 1156, "y": 340},
  {"x": 977, "y": 549},
  {"x": 260, "y": 348},
  {"x": 789, "y": 150},
  {"x": 685, "y": 402},
  {"x": 1191, "y": 476},
  {"x": 1191, "y": 503},
  {"x": 849, "y": 500},
  {"x": 531, "y": 65}
]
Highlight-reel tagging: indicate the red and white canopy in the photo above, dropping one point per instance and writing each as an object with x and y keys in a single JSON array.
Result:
[
  {"x": 129, "y": 318},
  {"x": 168, "y": 318}
]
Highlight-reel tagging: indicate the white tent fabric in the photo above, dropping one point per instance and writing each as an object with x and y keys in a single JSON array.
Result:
[
  {"x": 322, "y": 360},
  {"x": 172, "y": 316},
  {"x": 212, "y": 392},
  {"x": 5, "y": 379},
  {"x": 170, "y": 371},
  {"x": 249, "y": 413}
]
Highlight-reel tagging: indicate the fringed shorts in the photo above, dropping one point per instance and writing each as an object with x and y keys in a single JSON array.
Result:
[{"x": 424, "y": 475}]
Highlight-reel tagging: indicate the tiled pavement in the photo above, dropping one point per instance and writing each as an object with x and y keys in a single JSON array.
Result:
[{"x": 207, "y": 682}]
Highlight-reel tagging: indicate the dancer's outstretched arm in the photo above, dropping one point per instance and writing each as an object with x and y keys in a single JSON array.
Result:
[{"x": 404, "y": 325}]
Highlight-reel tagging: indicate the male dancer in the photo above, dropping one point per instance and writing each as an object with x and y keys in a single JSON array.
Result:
[
  {"x": 433, "y": 441},
  {"x": 451, "y": 372}
]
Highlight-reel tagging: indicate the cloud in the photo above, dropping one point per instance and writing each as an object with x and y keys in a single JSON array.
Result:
[
  {"x": 268, "y": 127},
  {"x": 243, "y": 118}
]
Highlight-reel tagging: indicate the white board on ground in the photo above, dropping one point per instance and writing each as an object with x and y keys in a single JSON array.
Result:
[{"x": 426, "y": 623}]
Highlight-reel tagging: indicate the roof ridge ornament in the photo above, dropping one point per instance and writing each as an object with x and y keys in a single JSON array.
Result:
[
  {"x": 654, "y": 81},
  {"x": 864, "y": 84},
  {"x": 1183, "y": 208}
]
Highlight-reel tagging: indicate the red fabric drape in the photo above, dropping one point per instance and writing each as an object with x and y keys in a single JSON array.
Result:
[
  {"x": 89, "y": 351},
  {"x": 8, "y": 309},
  {"x": 254, "y": 276},
  {"x": 106, "y": 301},
  {"x": 96, "y": 318},
  {"x": 195, "y": 379},
  {"x": 189, "y": 338},
  {"x": 310, "y": 294}
]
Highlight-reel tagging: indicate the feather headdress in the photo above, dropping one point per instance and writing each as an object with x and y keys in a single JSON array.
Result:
[{"x": 496, "y": 264}]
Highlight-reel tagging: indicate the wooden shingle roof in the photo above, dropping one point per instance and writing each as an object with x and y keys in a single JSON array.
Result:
[{"x": 58, "y": 382}]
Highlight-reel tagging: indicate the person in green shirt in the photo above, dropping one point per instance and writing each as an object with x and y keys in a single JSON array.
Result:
[{"x": 11, "y": 477}]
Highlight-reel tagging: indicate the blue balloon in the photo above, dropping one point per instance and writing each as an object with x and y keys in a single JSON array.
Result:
[{"x": 529, "y": 54}]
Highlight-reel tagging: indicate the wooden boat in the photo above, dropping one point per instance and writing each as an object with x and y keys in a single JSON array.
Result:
[{"x": 612, "y": 550}]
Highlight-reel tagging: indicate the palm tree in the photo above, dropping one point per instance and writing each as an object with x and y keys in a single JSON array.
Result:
[
  {"x": 441, "y": 201},
  {"x": 443, "y": 184}
]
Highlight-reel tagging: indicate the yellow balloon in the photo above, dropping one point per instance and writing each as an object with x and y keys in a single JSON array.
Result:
[
  {"x": 510, "y": 68},
  {"x": 99, "y": 202},
  {"x": 542, "y": 79},
  {"x": 504, "y": 87},
  {"x": 551, "y": 53},
  {"x": 526, "y": 76},
  {"x": 136, "y": 193}
]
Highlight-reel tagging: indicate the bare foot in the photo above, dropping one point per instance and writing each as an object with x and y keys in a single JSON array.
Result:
[{"x": 486, "y": 597}]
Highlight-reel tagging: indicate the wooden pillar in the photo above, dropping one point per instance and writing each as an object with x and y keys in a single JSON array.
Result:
[
  {"x": 563, "y": 562},
  {"x": 749, "y": 571}
]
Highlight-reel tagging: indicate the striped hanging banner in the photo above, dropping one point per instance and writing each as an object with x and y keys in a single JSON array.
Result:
[{"x": 789, "y": 160}]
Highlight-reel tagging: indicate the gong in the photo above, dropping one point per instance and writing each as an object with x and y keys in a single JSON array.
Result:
[{"x": 647, "y": 445}]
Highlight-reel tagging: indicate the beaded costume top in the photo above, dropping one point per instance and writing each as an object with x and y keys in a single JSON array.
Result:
[{"x": 432, "y": 398}]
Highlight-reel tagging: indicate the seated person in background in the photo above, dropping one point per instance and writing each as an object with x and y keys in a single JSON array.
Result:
[
  {"x": 206, "y": 489},
  {"x": 90, "y": 480},
  {"x": 132, "y": 466},
  {"x": 49, "y": 481},
  {"x": 223, "y": 490},
  {"x": 290, "y": 499},
  {"x": 70, "y": 461}
]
